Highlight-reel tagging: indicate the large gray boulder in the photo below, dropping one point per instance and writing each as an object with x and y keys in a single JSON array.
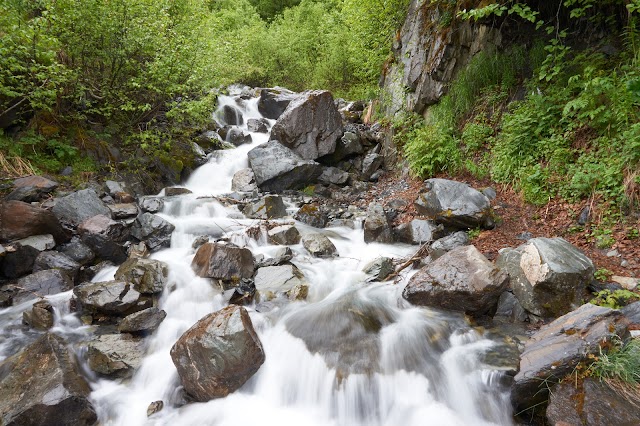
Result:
[
  {"x": 55, "y": 260},
  {"x": 268, "y": 207},
  {"x": 376, "y": 225},
  {"x": 115, "y": 355},
  {"x": 418, "y": 231},
  {"x": 148, "y": 276},
  {"x": 79, "y": 206},
  {"x": 153, "y": 230},
  {"x": 454, "y": 204},
  {"x": 549, "y": 276},
  {"x": 277, "y": 168},
  {"x": 591, "y": 403},
  {"x": 557, "y": 348},
  {"x": 273, "y": 102},
  {"x": 271, "y": 281},
  {"x": 22, "y": 220},
  {"x": 112, "y": 298},
  {"x": 461, "y": 280},
  {"x": 144, "y": 321},
  {"x": 319, "y": 245},
  {"x": 223, "y": 261},
  {"x": 218, "y": 354},
  {"x": 43, "y": 386},
  {"x": 42, "y": 283},
  {"x": 310, "y": 126},
  {"x": 31, "y": 188}
]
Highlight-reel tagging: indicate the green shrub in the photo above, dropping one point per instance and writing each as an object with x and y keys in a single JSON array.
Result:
[{"x": 620, "y": 363}]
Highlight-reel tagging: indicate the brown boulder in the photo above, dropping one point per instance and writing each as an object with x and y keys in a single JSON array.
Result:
[
  {"x": 223, "y": 261},
  {"x": 21, "y": 220}
]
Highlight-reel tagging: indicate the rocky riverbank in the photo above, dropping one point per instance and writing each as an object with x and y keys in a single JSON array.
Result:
[{"x": 320, "y": 169}]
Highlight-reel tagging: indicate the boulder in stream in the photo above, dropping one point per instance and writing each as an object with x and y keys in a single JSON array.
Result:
[
  {"x": 271, "y": 281},
  {"x": 319, "y": 245},
  {"x": 153, "y": 230},
  {"x": 461, "y": 280},
  {"x": 268, "y": 207},
  {"x": 223, "y": 261},
  {"x": 144, "y": 321},
  {"x": 42, "y": 386},
  {"x": 284, "y": 235},
  {"x": 454, "y": 204},
  {"x": 274, "y": 101},
  {"x": 549, "y": 276},
  {"x": 218, "y": 354},
  {"x": 115, "y": 355},
  {"x": 376, "y": 225},
  {"x": 148, "y": 276},
  {"x": 40, "y": 317},
  {"x": 42, "y": 283},
  {"x": 117, "y": 298}
]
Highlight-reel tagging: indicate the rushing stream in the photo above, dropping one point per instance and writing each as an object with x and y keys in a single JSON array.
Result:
[{"x": 354, "y": 353}]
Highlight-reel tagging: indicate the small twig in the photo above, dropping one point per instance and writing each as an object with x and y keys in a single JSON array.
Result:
[{"x": 424, "y": 249}]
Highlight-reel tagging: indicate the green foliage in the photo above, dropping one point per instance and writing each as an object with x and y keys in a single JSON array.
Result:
[
  {"x": 602, "y": 274},
  {"x": 614, "y": 299},
  {"x": 620, "y": 363}
]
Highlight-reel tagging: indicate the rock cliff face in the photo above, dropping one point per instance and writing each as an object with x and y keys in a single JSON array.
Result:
[{"x": 428, "y": 54}]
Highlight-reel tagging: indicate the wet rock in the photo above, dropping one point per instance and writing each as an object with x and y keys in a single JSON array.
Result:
[
  {"x": 448, "y": 243},
  {"x": 144, "y": 321},
  {"x": 333, "y": 176},
  {"x": 110, "y": 298},
  {"x": 40, "y": 317},
  {"x": 18, "y": 260},
  {"x": 454, "y": 204},
  {"x": 258, "y": 125},
  {"x": 370, "y": 164},
  {"x": 268, "y": 207},
  {"x": 310, "y": 126},
  {"x": 43, "y": 386},
  {"x": 461, "y": 280},
  {"x": 376, "y": 225},
  {"x": 593, "y": 403},
  {"x": 42, "y": 283},
  {"x": 237, "y": 137},
  {"x": 282, "y": 256},
  {"x": 113, "y": 187},
  {"x": 22, "y": 220},
  {"x": 277, "y": 168},
  {"x": 584, "y": 216},
  {"x": 99, "y": 234},
  {"x": 31, "y": 188},
  {"x": 55, "y": 260},
  {"x": 347, "y": 146},
  {"x": 632, "y": 313},
  {"x": 273, "y": 102},
  {"x": 244, "y": 181},
  {"x": 299, "y": 292},
  {"x": 172, "y": 191},
  {"x": 549, "y": 276},
  {"x": 510, "y": 309},
  {"x": 418, "y": 231},
  {"x": 218, "y": 354},
  {"x": 379, "y": 269},
  {"x": 313, "y": 215},
  {"x": 154, "y": 407},
  {"x": 148, "y": 276},
  {"x": 151, "y": 204},
  {"x": 232, "y": 115},
  {"x": 115, "y": 355},
  {"x": 243, "y": 293},
  {"x": 79, "y": 206},
  {"x": 123, "y": 210},
  {"x": 223, "y": 261},
  {"x": 271, "y": 281},
  {"x": 557, "y": 348},
  {"x": 77, "y": 251},
  {"x": 39, "y": 242},
  {"x": 319, "y": 245},
  {"x": 347, "y": 223},
  {"x": 103, "y": 226},
  {"x": 284, "y": 235},
  {"x": 153, "y": 230}
]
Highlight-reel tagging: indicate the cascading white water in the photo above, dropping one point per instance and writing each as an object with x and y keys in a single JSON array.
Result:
[{"x": 353, "y": 353}]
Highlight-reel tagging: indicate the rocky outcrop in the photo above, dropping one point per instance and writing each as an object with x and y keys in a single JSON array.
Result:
[
  {"x": 461, "y": 280},
  {"x": 218, "y": 354},
  {"x": 454, "y": 204},
  {"x": 549, "y": 276},
  {"x": 557, "y": 348},
  {"x": 42, "y": 386},
  {"x": 115, "y": 355},
  {"x": 21, "y": 220},
  {"x": 592, "y": 403},
  {"x": 79, "y": 206},
  {"x": 277, "y": 168},
  {"x": 319, "y": 245},
  {"x": 148, "y": 276},
  {"x": 223, "y": 261},
  {"x": 153, "y": 230},
  {"x": 310, "y": 126},
  {"x": 377, "y": 228}
]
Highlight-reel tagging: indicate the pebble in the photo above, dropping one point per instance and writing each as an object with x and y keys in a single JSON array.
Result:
[{"x": 613, "y": 253}]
